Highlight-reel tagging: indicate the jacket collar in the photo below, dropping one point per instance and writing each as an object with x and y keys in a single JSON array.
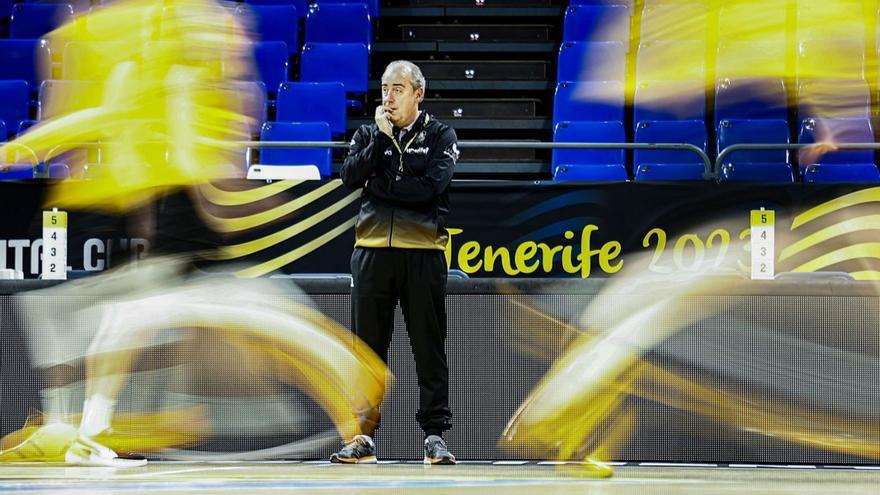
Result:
[{"x": 418, "y": 124}]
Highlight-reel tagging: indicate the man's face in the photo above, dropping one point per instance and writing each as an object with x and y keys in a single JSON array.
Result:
[{"x": 401, "y": 101}]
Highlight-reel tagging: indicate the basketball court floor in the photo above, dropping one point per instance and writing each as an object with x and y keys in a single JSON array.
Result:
[{"x": 398, "y": 477}]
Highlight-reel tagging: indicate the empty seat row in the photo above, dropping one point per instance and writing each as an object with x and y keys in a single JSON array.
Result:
[
  {"x": 14, "y": 105},
  {"x": 686, "y": 60},
  {"x": 33, "y": 20},
  {"x": 303, "y": 6},
  {"x": 597, "y": 22},
  {"x": 297, "y": 101},
  {"x": 327, "y": 22},
  {"x": 322, "y": 104},
  {"x": 8, "y": 7},
  {"x": 742, "y": 165},
  {"x": 271, "y": 131},
  {"x": 348, "y": 63},
  {"x": 689, "y": 20},
  {"x": 648, "y": 164},
  {"x": 744, "y": 98}
]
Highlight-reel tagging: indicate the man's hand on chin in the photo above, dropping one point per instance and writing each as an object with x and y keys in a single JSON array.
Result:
[{"x": 383, "y": 121}]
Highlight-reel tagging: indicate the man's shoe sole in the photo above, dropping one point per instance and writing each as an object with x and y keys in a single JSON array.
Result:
[
  {"x": 443, "y": 461},
  {"x": 362, "y": 460}
]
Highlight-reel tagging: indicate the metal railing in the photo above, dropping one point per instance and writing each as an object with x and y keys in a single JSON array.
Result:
[
  {"x": 719, "y": 161},
  {"x": 707, "y": 162},
  {"x": 711, "y": 169},
  {"x": 12, "y": 147}
]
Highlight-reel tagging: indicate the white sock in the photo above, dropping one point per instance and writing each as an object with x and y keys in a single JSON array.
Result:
[
  {"x": 54, "y": 404},
  {"x": 97, "y": 411}
]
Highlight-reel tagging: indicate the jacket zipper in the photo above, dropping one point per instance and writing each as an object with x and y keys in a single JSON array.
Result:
[{"x": 391, "y": 230}]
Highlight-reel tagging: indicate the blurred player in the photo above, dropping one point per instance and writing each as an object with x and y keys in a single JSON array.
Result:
[{"x": 167, "y": 121}]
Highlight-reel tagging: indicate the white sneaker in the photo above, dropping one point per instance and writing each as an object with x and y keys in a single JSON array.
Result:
[{"x": 87, "y": 452}]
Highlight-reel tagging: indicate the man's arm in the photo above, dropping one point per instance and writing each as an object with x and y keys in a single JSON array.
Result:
[
  {"x": 408, "y": 189},
  {"x": 361, "y": 159}
]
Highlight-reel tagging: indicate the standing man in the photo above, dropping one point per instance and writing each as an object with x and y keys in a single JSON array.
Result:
[{"x": 404, "y": 164}]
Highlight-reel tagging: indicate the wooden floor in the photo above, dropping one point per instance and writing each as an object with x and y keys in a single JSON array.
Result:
[{"x": 391, "y": 477}]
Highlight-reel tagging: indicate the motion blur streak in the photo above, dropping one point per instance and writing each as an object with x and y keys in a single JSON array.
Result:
[
  {"x": 150, "y": 84},
  {"x": 624, "y": 346}
]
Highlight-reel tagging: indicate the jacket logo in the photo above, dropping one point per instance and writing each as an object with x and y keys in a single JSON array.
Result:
[
  {"x": 418, "y": 151},
  {"x": 420, "y": 138},
  {"x": 388, "y": 152},
  {"x": 452, "y": 152}
]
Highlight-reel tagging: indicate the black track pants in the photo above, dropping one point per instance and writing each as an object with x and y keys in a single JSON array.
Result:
[{"x": 416, "y": 278}]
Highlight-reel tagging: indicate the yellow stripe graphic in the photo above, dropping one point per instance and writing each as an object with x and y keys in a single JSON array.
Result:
[
  {"x": 845, "y": 201},
  {"x": 264, "y": 217},
  {"x": 272, "y": 265},
  {"x": 856, "y": 251},
  {"x": 866, "y": 275},
  {"x": 867, "y": 222},
  {"x": 237, "y": 198},
  {"x": 251, "y": 247}
]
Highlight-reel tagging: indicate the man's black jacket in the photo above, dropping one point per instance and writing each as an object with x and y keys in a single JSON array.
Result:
[{"x": 405, "y": 201}]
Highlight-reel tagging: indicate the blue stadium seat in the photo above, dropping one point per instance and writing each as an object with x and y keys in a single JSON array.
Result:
[
  {"x": 823, "y": 58},
  {"x": 663, "y": 20},
  {"x": 596, "y": 23},
  {"x": 59, "y": 171},
  {"x": 272, "y": 64},
  {"x": 6, "y": 8},
  {"x": 79, "y": 6},
  {"x": 759, "y": 166},
  {"x": 839, "y": 166},
  {"x": 33, "y": 20},
  {"x": 661, "y": 61},
  {"x": 372, "y": 5},
  {"x": 588, "y": 100},
  {"x": 339, "y": 23},
  {"x": 669, "y": 100},
  {"x": 10, "y": 171},
  {"x": 297, "y": 131},
  {"x": 14, "y": 101},
  {"x": 27, "y": 60},
  {"x": 302, "y": 6},
  {"x": 830, "y": 20},
  {"x": 347, "y": 63},
  {"x": 628, "y": 3},
  {"x": 313, "y": 102},
  {"x": 24, "y": 125},
  {"x": 272, "y": 23},
  {"x": 592, "y": 61},
  {"x": 833, "y": 98},
  {"x": 738, "y": 59},
  {"x": 16, "y": 172},
  {"x": 751, "y": 20},
  {"x": 841, "y": 173},
  {"x": 670, "y": 164},
  {"x": 751, "y": 99},
  {"x": 589, "y": 165}
]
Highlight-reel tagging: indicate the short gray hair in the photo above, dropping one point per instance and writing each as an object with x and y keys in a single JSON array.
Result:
[{"x": 409, "y": 69}]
